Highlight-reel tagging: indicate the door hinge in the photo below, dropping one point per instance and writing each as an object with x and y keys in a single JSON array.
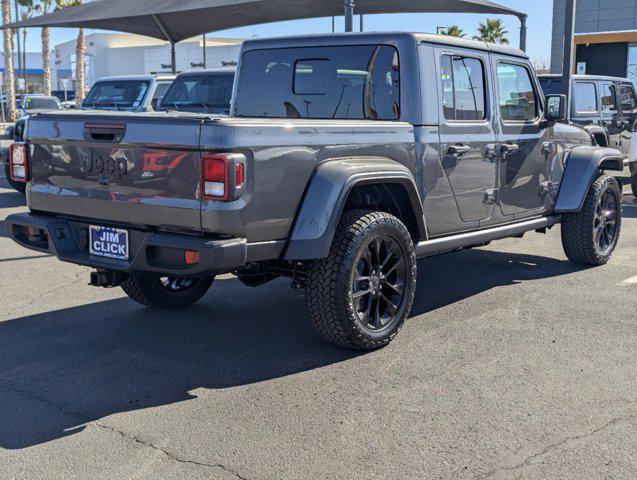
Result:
[{"x": 491, "y": 197}]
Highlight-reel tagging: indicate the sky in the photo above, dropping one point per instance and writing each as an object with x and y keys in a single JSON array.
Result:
[{"x": 539, "y": 33}]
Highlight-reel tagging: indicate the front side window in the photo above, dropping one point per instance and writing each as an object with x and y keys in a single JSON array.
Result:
[
  {"x": 585, "y": 97},
  {"x": 117, "y": 94},
  {"x": 348, "y": 82},
  {"x": 627, "y": 98},
  {"x": 463, "y": 88},
  {"x": 609, "y": 98},
  {"x": 518, "y": 101}
]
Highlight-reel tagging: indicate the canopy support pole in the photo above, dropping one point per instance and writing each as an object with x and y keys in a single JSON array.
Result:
[
  {"x": 205, "y": 54},
  {"x": 349, "y": 15},
  {"x": 567, "y": 65},
  {"x": 523, "y": 30},
  {"x": 169, "y": 37},
  {"x": 362, "y": 23}
]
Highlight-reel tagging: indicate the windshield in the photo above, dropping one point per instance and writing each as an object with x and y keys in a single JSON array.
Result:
[
  {"x": 551, "y": 86},
  {"x": 200, "y": 93},
  {"x": 42, "y": 103},
  {"x": 119, "y": 95}
]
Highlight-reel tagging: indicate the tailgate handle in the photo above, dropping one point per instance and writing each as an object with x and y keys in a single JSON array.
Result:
[{"x": 105, "y": 132}]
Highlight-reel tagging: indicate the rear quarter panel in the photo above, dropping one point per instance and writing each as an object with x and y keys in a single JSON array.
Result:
[{"x": 282, "y": 156}]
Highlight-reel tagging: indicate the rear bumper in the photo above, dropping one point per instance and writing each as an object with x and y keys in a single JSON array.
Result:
[{"x": 150, "y": 253}]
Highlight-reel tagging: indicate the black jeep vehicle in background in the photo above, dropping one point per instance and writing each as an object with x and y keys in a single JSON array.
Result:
[{"x": 606, "y": 107}]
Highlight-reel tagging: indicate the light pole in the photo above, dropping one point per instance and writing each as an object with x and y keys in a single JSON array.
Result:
[{"x": 567, "y": 65}]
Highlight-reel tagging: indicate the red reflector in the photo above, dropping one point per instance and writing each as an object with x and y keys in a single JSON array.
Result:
[
  {"x": 239, "y": 175},
  {"x": 191, "y": 257}
]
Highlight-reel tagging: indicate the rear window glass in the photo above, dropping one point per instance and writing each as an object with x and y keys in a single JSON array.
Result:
[
  {"x": 627, "y": 96},
  {"x": 463, "y": 88},
  {"x": 42, "y": 103},
  {"x": 200, "y": 93},
  {"x": 585, "y": 97},
  {"x": 348, "y": 82},
  {"x": 117, "y": 94},
  {"x": 609, "y": 98}
]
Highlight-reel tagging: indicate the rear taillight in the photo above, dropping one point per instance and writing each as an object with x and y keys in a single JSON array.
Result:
[
  {"x": 223, "y": 177},
  {"x": 19, "y": 162},
  {"x": 215, "y": 177}
]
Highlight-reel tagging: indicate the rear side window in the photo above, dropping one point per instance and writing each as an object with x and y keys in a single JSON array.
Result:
[
  {"x": 627, "y": 97},
  {"x": 463, "y": 88},
  {"x": 347, "y": 82},
  {"x": 609, "y": 98},
  {"x": 518, "y": 101},
  {"x": 585, "y": 97}
]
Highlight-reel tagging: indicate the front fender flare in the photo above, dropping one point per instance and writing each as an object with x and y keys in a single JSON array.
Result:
[
  {"x": 327, "y": 194},
  {"x": 582, "y": 166}
]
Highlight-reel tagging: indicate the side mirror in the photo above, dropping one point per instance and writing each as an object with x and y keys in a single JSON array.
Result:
[{"x": 556, "y": 108}]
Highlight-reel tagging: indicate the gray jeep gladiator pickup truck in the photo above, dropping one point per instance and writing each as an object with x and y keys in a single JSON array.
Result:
[{"x": 344, "y": 159}]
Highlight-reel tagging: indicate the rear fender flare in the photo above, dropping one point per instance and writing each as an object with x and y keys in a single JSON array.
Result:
[
  {"x": 327, "y": 193},
  {"x": 582, "y": 167}
]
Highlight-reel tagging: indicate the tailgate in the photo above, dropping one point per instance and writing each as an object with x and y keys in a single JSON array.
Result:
[{"x": 120, "y": 169}]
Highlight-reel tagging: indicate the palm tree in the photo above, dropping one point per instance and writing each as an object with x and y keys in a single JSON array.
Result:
[
  {"x": 492, "y": 32},
  {"x": 9, "y": 80},
  {"x": 28, "y": 9},
  {"x": 455, "y": 31},
  {"x": 80, "y": 48},
  {"x": 43, "y": 7}
]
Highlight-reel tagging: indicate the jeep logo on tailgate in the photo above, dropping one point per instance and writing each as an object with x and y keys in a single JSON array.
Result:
[{"x": 114, "y": 167}]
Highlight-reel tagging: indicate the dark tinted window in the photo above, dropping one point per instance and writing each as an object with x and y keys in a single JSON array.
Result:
[
  {"x": 585, "y": 97},
  {"x": 609, "y": 98},
  {"x": 551, "y": 86},
  {"x": 42, "y": 103},
  {"x": 356, "y": 82},
  {"x": 517, "y": 97},
  {"x": 117, "y": 94},
  {"x": 463, "y": 88},
  {"x": 161, "y": 90},
  {"x": 205, "y": 92},
  {"x": 627, "y": 97}
]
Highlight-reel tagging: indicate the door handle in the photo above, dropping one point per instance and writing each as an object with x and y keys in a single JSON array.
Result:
[
  {"x": 458, "y": 149},
  {"x": 508, "y": 148}
]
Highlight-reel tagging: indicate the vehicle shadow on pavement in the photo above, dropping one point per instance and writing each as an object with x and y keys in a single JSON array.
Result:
[
  {"x": 62, "y": 369},
  {"x": 448, "y": 279},
  {"x": 11, "y": 199}
]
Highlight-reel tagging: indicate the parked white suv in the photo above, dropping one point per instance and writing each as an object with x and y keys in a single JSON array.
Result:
[{"x": 139, "y": 93}]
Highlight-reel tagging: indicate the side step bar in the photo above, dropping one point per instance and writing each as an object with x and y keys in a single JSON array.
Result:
[{"x": 481, "y": 237}]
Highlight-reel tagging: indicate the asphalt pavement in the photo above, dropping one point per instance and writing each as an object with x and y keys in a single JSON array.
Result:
[{"x": 515, "y": 364}]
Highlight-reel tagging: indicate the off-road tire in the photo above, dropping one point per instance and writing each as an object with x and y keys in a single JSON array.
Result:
[
  {"x": 578, "y": 229},
  {"x": 150, "y": 292},
  {"x": 329, "y": 295},
  {"x": 19, "y": 186}
]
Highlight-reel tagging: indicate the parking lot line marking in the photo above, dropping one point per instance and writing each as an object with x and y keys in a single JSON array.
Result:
[{"x": 630, "y": 281}]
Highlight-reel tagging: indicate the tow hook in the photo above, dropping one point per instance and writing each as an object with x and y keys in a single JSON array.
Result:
[{"x": 107, "y": 279}]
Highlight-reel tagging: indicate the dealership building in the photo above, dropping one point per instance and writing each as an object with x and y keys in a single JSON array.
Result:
[
  {"x": 605, "y": 37},
  {"x": 113, "y": 54}
]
